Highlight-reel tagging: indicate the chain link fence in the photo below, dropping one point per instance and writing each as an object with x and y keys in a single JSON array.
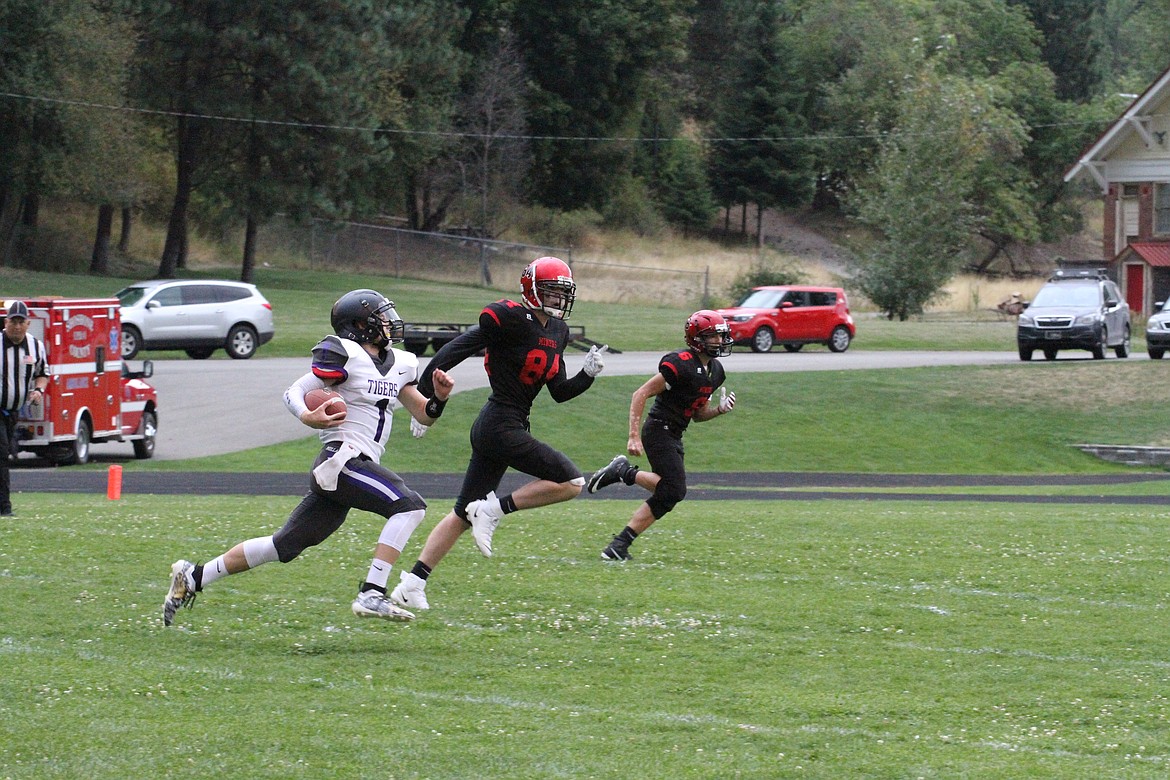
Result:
[{"x": 471, "y": 260}]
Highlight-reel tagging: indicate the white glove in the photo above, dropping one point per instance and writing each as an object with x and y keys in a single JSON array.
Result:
[
  {"x": 595, "y": 360},
  {"x": 726, "y": 401},
  {"x": 417, "y": 429}
]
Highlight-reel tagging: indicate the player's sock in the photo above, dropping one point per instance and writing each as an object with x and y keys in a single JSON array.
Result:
[
  {"x": 627, "y": 536},
  {"x": 421, "y": 570},
  {"x": 207, "y": 573},
  {"x": 377, "y": 576},
  {"x": 507, "y": 505}
]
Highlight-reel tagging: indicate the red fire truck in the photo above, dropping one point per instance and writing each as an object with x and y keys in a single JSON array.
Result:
[{"x": 92, "y": 396}]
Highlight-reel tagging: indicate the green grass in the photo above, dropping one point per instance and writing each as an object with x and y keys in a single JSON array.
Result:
[
  {"x": 992, "y": 419},
  {"x": 827, "y": 639},
  {"x": 798, "y": 639},
  {"x": 301, "y": 301}
]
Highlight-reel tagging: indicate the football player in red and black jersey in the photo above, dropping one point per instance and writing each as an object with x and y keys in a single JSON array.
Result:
[
  {"x": 524, "y": 346},
  {"x": 360, "y": 363},
  {"x": 682, "y": 390}
]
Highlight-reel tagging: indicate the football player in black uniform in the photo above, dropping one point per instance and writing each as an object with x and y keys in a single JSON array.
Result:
[
  {"x": 524, "y": 347},
  {"x": 373, "y": 378},
  {"x": 682, "y": 389}
]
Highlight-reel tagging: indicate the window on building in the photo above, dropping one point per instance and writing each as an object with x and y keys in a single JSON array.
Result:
[{"x": 1162, "y": 209}]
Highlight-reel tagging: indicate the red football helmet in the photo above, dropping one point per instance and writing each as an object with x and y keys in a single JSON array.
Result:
[
  {"x": 546, "y": 279},
  {"x": 705, "y": 325}
]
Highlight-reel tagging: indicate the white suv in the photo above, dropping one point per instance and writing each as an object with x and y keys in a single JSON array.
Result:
[{"x": 195, "y": 315}]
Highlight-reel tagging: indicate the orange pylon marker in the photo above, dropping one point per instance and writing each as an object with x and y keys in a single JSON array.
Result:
[{"x": 114, "y": 483}]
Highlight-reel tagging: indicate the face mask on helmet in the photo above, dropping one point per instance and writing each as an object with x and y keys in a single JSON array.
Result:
[
  {"x": 707, "y": 332},
  {"x": 547, "y": 285},
  {"x": 367, "y": 317}
]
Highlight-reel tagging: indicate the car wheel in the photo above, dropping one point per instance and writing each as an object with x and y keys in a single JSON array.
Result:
[
  {"x": 144, "y": 447},
  {"x": 839, "y": 339},
  {"x": 792, "y": 347},
  {"x": 763, "y": 339},
  {"x": 1025, "y": 353},
  {"x": 1155, "y": 353},
  {"x": 1098, "y": 349},
  {"x": 202, "y": 353},
  {"x": 131, "y": 342},
  {"x": 1122, "y": 349},
  {"x": 415, "y": 346},
  {"x": 1050, "y": 354},
  {"x": 77, "y": 453},
  {"x": 241, "y": 342}
]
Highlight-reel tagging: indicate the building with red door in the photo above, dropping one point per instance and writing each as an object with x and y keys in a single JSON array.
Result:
[{"x": 1130, "y": 162}]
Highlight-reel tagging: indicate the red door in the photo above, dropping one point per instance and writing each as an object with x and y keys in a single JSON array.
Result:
[{"x": 1135, "y": 289}]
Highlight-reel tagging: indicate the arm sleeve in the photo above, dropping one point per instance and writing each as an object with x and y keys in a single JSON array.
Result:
[
  {"x": 294, "y": 396},
  {"x": 563, "y": 388},
  {"x": 452, "y": 354},
  {"x": 42, "y": 364}
]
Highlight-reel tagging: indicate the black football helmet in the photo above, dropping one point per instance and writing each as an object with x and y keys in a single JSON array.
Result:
[
  {"x": 705, "y": 325},
  {"x": 367, "y": 317}
]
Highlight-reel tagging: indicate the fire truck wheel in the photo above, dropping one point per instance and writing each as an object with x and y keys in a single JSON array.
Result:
[
  {"x": 77, "y": 453},
  {"x": 144, "y": 447},
  {"x": 241, "y": 342},
  {"x": 131, "y": 342}
]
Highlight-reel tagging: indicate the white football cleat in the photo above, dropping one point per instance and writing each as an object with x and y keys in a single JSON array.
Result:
[
  {"x": 483, "y": 523},
  {"x": 410, "y": 592},
  {"x": 371, "y": 603},
  {"x": 181, "y": 592}
]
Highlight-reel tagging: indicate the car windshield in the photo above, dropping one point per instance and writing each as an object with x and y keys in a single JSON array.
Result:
[
  {"x": 1079, "y": 295},
  {"x": 130, "y": 295},
  {"x": 761, "y": 299}
]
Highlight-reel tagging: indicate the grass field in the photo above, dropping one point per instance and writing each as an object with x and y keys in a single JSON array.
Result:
[
  {"x": 301, "y": 301},
  {"x": 834, "y": 638},
  {"x": 823, "y": 639}
]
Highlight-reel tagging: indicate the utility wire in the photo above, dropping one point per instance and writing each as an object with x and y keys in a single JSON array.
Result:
[{"x": 479, "y": 136}]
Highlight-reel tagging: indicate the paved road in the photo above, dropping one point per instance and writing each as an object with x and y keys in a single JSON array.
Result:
[{"x": 213, "y": 407}]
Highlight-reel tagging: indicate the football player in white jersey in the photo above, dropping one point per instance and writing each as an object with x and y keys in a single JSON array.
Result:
[{"x": 373, "y": 378}]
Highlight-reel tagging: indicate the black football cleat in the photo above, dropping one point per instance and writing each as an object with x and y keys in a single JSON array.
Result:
[
  {"x": 616, "y": 551},
  {"x": 609, "y": 475}
]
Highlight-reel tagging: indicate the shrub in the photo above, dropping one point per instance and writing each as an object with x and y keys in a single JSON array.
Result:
[
  {"x": 632, "y": 207},
  {"x": 558, "y": 228},
  {"x": 767, "y": 271}
]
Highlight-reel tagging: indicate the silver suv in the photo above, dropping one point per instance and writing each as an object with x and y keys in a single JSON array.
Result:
[
  {"x": 198, "y": 316},
  {"x": 1077, "y": 309}
]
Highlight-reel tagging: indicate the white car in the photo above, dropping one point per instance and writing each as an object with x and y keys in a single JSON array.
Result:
[
  {"x": 1158, "y": 331},
  {"x": 197, "y": 316}
]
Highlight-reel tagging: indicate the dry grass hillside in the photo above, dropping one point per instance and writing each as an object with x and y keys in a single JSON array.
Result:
[
  {"x": 810, "y": 242},
  {"x": 614, "y": 266}
]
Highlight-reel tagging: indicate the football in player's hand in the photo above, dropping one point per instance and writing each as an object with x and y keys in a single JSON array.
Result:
[{"x": 314, "y": 398}]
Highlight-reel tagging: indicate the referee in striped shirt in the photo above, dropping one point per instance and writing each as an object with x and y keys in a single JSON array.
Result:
[{"x": 25, "y": 376}]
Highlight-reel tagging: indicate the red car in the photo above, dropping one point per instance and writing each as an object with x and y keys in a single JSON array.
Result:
[{"x": 792, "y": 315}]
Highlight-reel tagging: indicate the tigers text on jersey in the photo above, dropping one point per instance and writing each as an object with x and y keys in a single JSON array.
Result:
[
  {"x": 370, "y": 388},
  {"x": 688, "y": 386}
]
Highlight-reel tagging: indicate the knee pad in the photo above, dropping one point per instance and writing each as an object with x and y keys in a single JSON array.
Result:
[
  {"x": 666, "y": 497},
  {"x": 398, "y": 528},
  {"x": 260, "y": 551}
]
